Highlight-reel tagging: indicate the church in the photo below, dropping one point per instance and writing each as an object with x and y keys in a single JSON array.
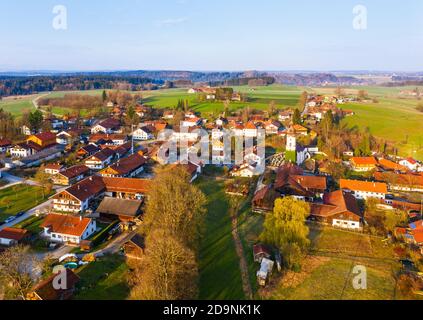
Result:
[{"x": 295, "y": 153}]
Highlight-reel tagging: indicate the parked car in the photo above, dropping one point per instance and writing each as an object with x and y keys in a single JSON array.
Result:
[
  {"x": 10, "y": 219},
  {"x": 20, "y": 214}
]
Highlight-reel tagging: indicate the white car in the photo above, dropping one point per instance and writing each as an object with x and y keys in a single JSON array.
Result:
[{"x": 10, "y": 219}]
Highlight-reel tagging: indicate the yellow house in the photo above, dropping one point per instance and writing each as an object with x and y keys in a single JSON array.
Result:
[{"x": 43, "y": 140}]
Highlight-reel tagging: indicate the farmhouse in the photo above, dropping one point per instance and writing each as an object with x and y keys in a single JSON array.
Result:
[
  {"x": 143, "y": 133},
  {"x": 363, "y": 164},
  {"x": 21, "y": 150},
  {"x": 264, "y": 199},
  {"x": 12, "y": 236},
  {"x": 100, "y": 160},
  {"x": 115, "y": 139},
  {"x": 71, "y": 175},
  {"x": 339, "y": 209},
  {"x": 67, "y": 229},
  {"x": 107, "y": 126},
  {"x": 410, "y": 163},
  {"x": 364, "y": 189},
  {"x": 78, "y": 197},
  {"x": 389, "y": 165},
  {"x": 126, "y": 167},
  {"x": 408, "y": 182},
  {"x": 42, "y": 140},
  {"x": 5, "y": 144},
  {"x": 291, "y": 181},
  {"x": 53, "y": 168},
  {"x": 88, "y": 150},
  {"x": 123, "y": 209}
]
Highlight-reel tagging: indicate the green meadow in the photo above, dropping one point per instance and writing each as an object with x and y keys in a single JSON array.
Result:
[{"x": 16, "y": 107}]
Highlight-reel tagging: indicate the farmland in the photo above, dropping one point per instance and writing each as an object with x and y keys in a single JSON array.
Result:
[
  {"x": 327, "y": 272},
  {"x": 17, "y": 105},
  {"x": 220, "y": 276},
  {"x": 19, "y": 198}
]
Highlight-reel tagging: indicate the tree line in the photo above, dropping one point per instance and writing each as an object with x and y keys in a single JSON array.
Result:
[{"x": 173, "y": 224}]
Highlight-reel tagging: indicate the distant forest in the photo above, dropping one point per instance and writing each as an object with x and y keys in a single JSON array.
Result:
[{"x": 10, "y": 86}]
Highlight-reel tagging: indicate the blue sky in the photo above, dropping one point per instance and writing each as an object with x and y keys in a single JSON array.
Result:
[{"x": 211, "y": 35}]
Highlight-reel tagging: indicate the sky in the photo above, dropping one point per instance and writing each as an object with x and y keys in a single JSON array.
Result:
[{"x": 211, "y": 35}]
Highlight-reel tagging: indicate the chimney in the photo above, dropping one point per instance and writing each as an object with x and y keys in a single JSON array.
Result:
[{"x": 80, "y": 218}]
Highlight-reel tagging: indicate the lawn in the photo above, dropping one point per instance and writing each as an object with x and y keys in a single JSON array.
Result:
[
  {"x": 32, "y": 224},
  {"x": 394, "y": 118},
  {"x": 19, "y": 198},
  {"x": 18, "y": 106},
  {"x": 327, "y": 273},
  {"x": 220, "y": 275},
  {"x": 104, "y": 279}
]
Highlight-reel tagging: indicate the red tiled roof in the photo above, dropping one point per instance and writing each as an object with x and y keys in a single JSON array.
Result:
[
  {"x": 368, "y": 186},
  {"x": 13, "y": 234},
  {"x": 127, "y": 185},
  {"x": 364, "y": 161},
  {"x": 45, "y": 290},
  {"x": 75, "y": 171},
  {"x": 334, "y": 203},
  {"x": 46, "y": 136},
  {"x": 66, "y": 224},
  {"x": 5, "y": 142},
  {"x": 129, "y": 164},
  {"x": 390, "y": 165}
]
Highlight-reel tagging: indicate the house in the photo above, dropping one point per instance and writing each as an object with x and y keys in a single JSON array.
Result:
[
  {"x": 261, "y": 252},
  {"x": 192, "y": 122},
  {"x": 264, "y": 199},
  {"x": 12, "y": 236},
  {"x": 107, "y": 126},
  {"x": 127, "y": 167},
  {"x": 296, "y": 129},
  {"x": 339, "y": 209},
  {"x": 408, "y": 182},
  {"x": 21, "y": 150},
  {"x": 77, "y": 197},
  {"x": 114, "y": 139},
  {"x": 71, "y": 175},
  {"x": 42, "y": 140},
  {"x": 67, "y": 137},
  {"x": 168, "y": 115},
  {"x": 389, "y": 165},
  {"x": 364, "y": 189},
  {"x": 144, "y": 133},
  {"x": 135, "y": 247},
  {"x": 185, "y": 133},
  {"x": 266, "y": 269},
  {"x": 272, "y": 127},
  {"x": 250, "y": 130},
  {"x": 123, "y": 209},
  {"x": 363, "y": 164},
  {"x": 291, "y": 181},
  {"x": 88, "y": 150},
  {"x": 285, "y": 115},
  {"x": 220, "y": 122},
  {"x": 410, "y": 163},
  {"x": 413, "y": 234},
  {"x": 67, "y": 228},
  {"x": 45, "y": 290},
  {"x": 53, "y": 168},
  {"x": 35, "y": 159},
  {"x": 194, "y": 170},
  {"x": 100, "y": 160},
  {"x": 245, "y": 171},
  {"x": 5, "y": 145}
]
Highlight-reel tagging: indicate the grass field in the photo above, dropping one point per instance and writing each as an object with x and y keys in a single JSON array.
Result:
[
  {"x": 18, "y": 106},
  {"x": 104, "y": 279},
  {"x": 327, "y": 273},
  {"x": 394, "y": 118},
  {"x": 220, "y": 276},
  {"x": 19, "y": 198}
]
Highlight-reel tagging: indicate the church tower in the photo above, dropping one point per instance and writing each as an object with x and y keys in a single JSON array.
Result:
[{"x": 291, "y": 140}]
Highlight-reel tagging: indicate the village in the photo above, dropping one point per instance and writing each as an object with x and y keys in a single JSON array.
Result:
[{"x": 90, "y": 178}]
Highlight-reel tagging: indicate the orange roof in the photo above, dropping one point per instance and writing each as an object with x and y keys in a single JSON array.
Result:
[
  {"x": 46, "y": 291},
  {"x": 13, "y": 233},
  {"x": 390, "y": 165},
  {"x": 66, "y": 224},
  {"x": 250, "y": 125},
  {"x": 368, "y": 186},
  {"x": 127, "y": 185},
  {"x": 364, "y": 161}
]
